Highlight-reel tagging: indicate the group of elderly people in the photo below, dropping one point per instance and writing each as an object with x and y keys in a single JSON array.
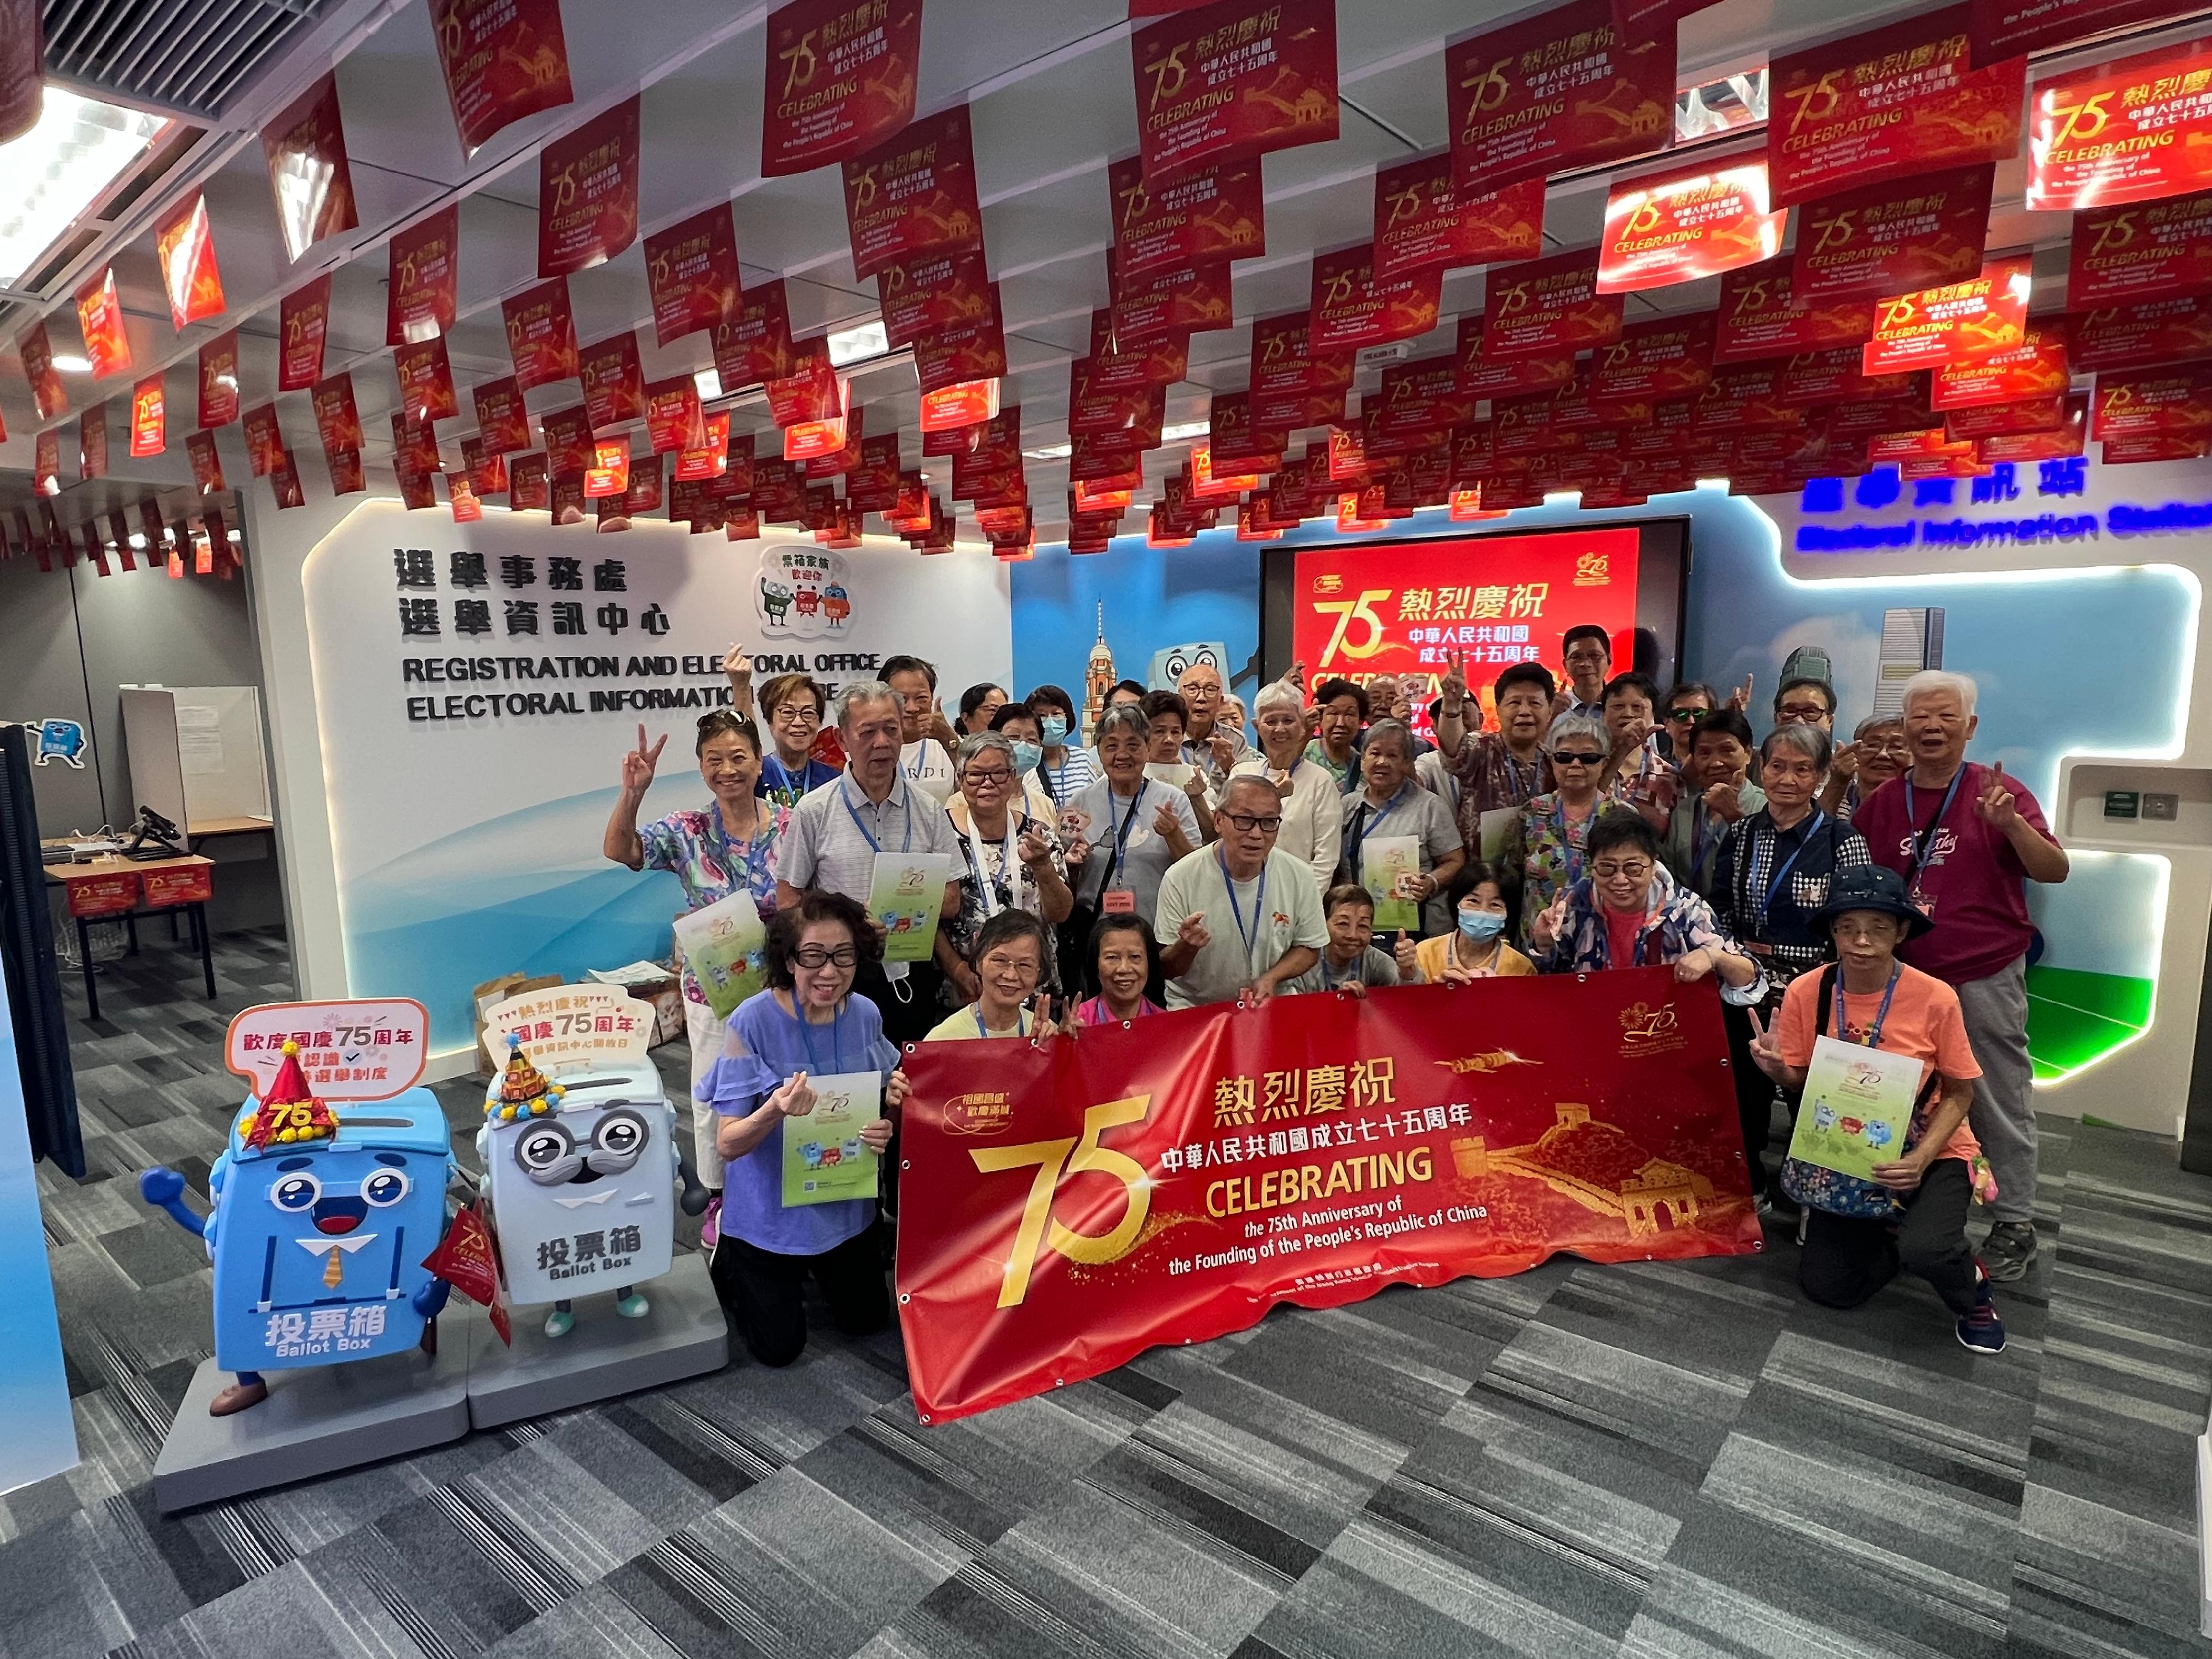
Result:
[{"x": 1176, "y": 860}]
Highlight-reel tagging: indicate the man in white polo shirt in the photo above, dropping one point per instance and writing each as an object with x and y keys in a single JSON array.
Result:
[
  {"x": 836, "y": 830},
  {"x": 1238, "y": 916}
]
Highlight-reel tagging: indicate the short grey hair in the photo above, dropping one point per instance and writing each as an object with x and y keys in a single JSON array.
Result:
[
  {"x": 1568, "y": 728},
  {"x": 979, "y": 743},
  {"x": 1809, "y": 741},
  {"x": 1874, "y": 723},
  {"x": 1278, "y": 693},
  {"x": 1249, "y": 780},
  {"x": 1930, "y": 681},
  {"x": 862, "y": 691},
  {"x": 1391, "y": 731},
  {"x": 1124, "y": 717}
]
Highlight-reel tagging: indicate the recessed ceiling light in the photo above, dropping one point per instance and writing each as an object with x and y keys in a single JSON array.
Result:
[
  {"x": 60, "y": 167},
  {"x": 70, "y": 363},
  {"x": 862, "y": 340},
  {"x": 710, "y": 382}
]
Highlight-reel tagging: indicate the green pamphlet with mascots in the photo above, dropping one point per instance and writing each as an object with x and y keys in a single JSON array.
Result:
[{"x": 824, "y": 1160}]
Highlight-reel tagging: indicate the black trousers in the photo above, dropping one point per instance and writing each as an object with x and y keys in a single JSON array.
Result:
[
  {"x": 765, "y": 1293},
  {"x": 1754, "y": 1089},
  {"x": 1847, "y": 1259}
]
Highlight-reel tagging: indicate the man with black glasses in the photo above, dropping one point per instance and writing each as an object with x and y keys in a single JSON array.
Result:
[{"x": 1239, "y": 917}]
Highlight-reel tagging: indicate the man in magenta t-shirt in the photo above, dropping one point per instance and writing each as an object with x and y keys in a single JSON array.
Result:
[{"x": 1967, "y": 838}]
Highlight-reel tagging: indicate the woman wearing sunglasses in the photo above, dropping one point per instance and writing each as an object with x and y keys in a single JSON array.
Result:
[
  {"x": 1544, "y": 845},
  {"x": 806, "y": 1024}
]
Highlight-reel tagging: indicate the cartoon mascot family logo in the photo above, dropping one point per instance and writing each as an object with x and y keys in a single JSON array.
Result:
[
  {"x": 803, "y": 592},
  {"x": 1647, "y": 1030}
]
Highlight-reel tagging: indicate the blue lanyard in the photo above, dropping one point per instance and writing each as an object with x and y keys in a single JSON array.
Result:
[
  {"x": 1368, "y": 824},
  {"x": 1874, "y": 1031},
  {"x": 836, "y": 1036},
  {"x": 1121, "y": 835},
  {"x": 782, "y": 779},
  {"x": 1924, "y": 841},
  {"x": 1568, "y": 850},
  {"x": 984, "y": 1031},
  {"x": 1351, "y": 976},
  {"x": 1251, "y": 935},
  {"x": 906, "y": 845},
  {"x": 1775, "y": 885}
]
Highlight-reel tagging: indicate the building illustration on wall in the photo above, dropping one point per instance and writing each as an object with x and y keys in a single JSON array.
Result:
[
  {"x": 1097, "y": 676},
  {"x": 1911, "y": 640}
]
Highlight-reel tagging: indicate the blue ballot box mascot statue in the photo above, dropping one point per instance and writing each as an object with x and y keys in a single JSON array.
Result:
[
  {"x": 319, "y": 1232},
  {"x": 582, "y": 1180}
]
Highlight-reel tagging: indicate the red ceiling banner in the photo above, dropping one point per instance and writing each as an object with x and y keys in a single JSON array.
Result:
[
  {"x": 1351, "y": 307},
  {"x": 2148, "y": 334},
  {"x": 22, "y": 68},
  {"x": 1761, "y": 316},
  {"x": 996, "y": 1305},
  {"x": 503, "y": 59},
  {"x": 1211, "y": 213},
  {"x": 811, "y": 392},
  {"x": 541, "y": 334},
  {"x": 673, "y": 419},
  {"x": 303, "y": 325},
  {"x": 1894, "y": 236},
  {"x": 305, "y": 148},
  {"x": 841, "y": 80},
  {"x": 2127, "y": 131},
  {"x": 502, "y": 422},
  {"x": 47, "y": 462},
  {"x": 587, "y": 192},
  {"x": 337, "y": 421},
  {"x": 711, "y": 459},
  {"x": 2008, "y": 28},
  {"x": 414, "y": 446},
  {"x": 1564, "y": 89},
  {"x": 1665, "y": 357},
  {"x": 2141, "y": 251},
  {"x": 2038, "y": 367},
  {"x": 99, "y": 314},
  {"x": 37, "y": 354},
  {"x": 1235, "y": 79},
  {"x": 149, "y": 424},
  {"x": 219, "y": 381},
  {"x": 1956, "y": 321},
  {"x": 932, "y": 292},
  {"x": 915, "y": 193},
  {"x": 972, "y": 350},
  {"x": 92, "y": 441},
  {"x": 1548, "y": 307},
  {"x": 422, "y": 292},
  {"x": 691, "y": 272},
  {"x": 185, "y": 247},
  {"x": 527, "y": 489},
  {"x": 207, "y": 462},
  {"x": 426, "y": 381},
  {"x": 265, "y": 439},
  {"x": 608, "y": 471},
  {"x": 1663, "y": 231},
  {"x": 614, "y": 381},
  {"x": 2153, "y": 402},
  {"x": 753, "y": 345},
  {"x": 1422, "y": 219},
  {"x": 1898, "y": 100},
  {"x": 1481, "y": 377},
  {"x": 348, "y": 476},
  {"x": 1187, "y": 299}
]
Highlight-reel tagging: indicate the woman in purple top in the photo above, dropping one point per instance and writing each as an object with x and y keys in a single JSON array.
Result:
[
  {"x": 806, "y": 1024},
  {"x": 1121, "y": 964}
]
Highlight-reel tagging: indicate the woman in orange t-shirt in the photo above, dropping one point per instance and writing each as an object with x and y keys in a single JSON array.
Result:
[{"x": 1874, "y": 999}]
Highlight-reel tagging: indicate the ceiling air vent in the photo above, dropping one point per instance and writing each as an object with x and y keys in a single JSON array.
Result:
[{"x": 186, "y": 58}]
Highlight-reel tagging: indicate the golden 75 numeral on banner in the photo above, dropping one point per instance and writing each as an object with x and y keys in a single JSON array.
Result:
[{"x": 1067, "y": 1155}]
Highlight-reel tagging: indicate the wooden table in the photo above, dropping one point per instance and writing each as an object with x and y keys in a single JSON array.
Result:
[{"x": 112, "y": 888}]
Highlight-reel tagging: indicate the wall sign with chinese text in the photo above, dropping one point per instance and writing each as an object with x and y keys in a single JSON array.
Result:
[{"x": 366, "y": 1050}]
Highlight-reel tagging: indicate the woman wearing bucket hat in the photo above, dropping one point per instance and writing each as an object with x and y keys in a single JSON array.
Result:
[{"x": 1913, "y": 1214}]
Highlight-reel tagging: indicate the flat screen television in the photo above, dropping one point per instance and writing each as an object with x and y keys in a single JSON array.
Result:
[{"x": 1360, "y": 609}]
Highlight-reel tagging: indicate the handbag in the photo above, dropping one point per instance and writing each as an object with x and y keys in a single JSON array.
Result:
[{"x": 1817, "y": 1187}]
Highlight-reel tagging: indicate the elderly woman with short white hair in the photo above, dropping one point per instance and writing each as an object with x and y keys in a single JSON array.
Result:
[{"x": 1313, "y": 809}]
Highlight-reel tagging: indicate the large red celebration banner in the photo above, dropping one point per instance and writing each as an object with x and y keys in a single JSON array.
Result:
[
  {"x": 2145, "y": 335},
  {"x": 1898, "y": 100},
  {"x": 1563, "y": 89},
  {"x": 914, "y": 194},
  {"x": 423, "y": 294},
  {"x": 1662, "y": 231},
  {"x": 587, "y": 192},
  {"x": 1665, "y": 357},
  {"x": 2139, "y": 252},
  {"x": 1421, "y": 219},
  {"x": 502, "y": 421},
  {"x": 932, "y": 293},
  {"x": 1235, "y": 79},
  {"x": 613, "y": 380},
  {"x": 1762, "y": 316},
  {"x": 1208, "y": 214},
  {"x": 1952, "y": 323},
  {"x": 1894, "y": 236},
  {"x": 503, "y": 59},
  {"x": 1352, "y": 307},
  {"x": 753, "y": 344},
  {"x": 1549, "y": 307},
  {"x": 691, "y": 272},
  {"x": 2126, "y": 131},
  {"x": 303, "y": 325},
  {"x": 541, "y": 334},
  {"x": 1068, "y": 1204},
  {"x": 841, "y": 79}
]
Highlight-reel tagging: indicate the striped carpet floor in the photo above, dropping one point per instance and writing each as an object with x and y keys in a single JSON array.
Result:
[{"x": 1644, "y": 1461}]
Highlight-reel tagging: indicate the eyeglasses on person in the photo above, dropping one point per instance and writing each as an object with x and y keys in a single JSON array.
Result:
[
  {"x": 1577, "y": 757},
  {"x": 820, "y": 956},
  {"x": 1245, "y": 823}
]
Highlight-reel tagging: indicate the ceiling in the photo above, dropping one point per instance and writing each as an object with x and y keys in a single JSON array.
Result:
[{"x": 1052, "y": 93}]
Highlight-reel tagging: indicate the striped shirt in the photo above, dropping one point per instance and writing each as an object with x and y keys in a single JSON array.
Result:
[{"x": 826, "y": 844}]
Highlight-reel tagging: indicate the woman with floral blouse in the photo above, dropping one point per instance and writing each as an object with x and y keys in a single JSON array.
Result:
[{"x": 1544, "y": 845}]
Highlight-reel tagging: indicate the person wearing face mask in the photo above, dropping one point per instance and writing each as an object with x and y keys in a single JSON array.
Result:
[
  {"x": 1544, "y": 844},
  {"x": 1481, "y": 897},
  {"x": 1011, "y": 952},
  {"x": 1876, "y": 753},
  {"x": 1019, "y": 725},
  {"x": 1629, "y": 913},
  {"x": 1770, "y": 876},
  {"x": 806, "y": 1025},
  {"x": 1501, "y": 769},
  {"x": 1391, "y": 804},
  {"x": 1067, "y": 769},
  {"x": 1350, "y": 961},
  {"x": 729, "y": 847},
  {"x": 1121, "y": 966},
  {"x": 1313, "y": 809},
  {"x": 1012, "y": 860}
]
